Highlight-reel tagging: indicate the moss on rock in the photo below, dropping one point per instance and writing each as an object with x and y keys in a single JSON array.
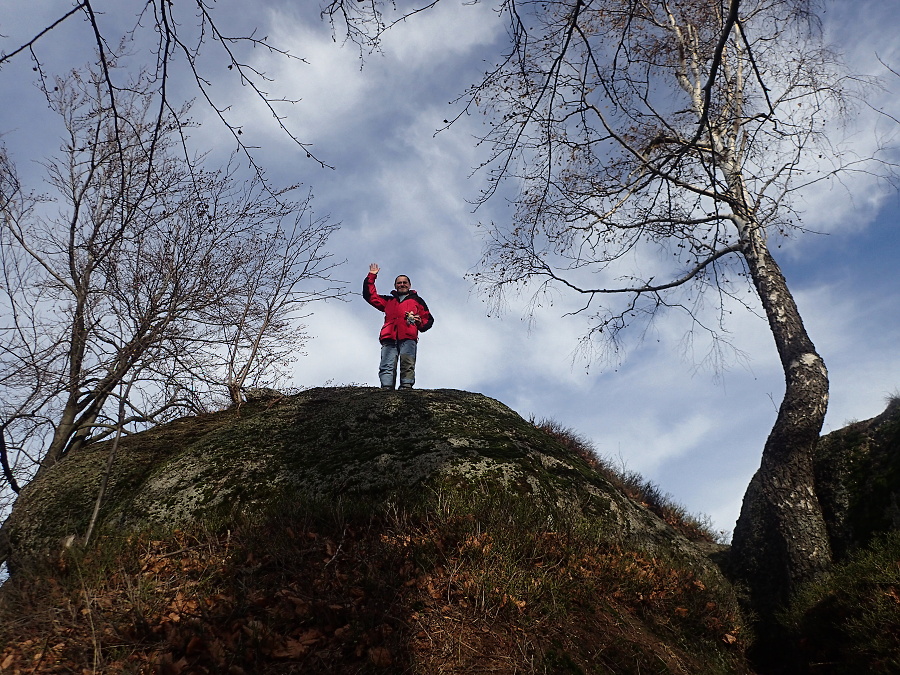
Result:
[
  {"x": 319, "y": 444},
  {"x": 857, "y": 472}
]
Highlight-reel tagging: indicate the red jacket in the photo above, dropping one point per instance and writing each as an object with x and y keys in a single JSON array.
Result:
[{"x": 395, "y": 325}]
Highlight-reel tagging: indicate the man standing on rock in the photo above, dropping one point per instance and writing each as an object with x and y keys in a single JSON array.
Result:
[{"x": 405, "y": 315}]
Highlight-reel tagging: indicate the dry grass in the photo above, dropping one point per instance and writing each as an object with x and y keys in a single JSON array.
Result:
[
  {"x": 462, "y": 580},
  {"x": 849, "y": 622},
  {"x": 632, "y": 484}
]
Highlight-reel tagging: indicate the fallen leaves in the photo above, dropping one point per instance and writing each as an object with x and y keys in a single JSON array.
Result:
[
  {"x": 380, "y": 657},
  {"x": 294, "y": 648},
  {"x": 434, "y": 596}
]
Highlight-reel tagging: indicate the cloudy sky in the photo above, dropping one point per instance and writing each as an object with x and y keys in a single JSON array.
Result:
[{"x": 403, "y": 193}]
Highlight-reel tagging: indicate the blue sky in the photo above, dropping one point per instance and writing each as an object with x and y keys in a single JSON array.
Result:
[{"x": 403, "y": 197}]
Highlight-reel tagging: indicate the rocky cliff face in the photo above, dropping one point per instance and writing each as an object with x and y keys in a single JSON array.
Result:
[
  {"x": 322, "y": 443},
  {"x": 857, "y": 472}
]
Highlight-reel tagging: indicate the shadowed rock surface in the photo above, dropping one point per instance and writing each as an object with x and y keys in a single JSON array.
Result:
[{"x": 858, "y": 480}]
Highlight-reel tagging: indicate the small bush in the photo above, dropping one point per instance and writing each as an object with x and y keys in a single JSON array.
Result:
[{"x": 849, "y": 623}]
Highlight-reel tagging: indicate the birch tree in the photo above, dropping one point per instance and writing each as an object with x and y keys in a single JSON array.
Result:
[{"x": 658, "y": 147}]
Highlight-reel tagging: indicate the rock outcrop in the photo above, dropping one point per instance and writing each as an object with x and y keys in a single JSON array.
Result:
[
  {"x": 354, "y": 530},
  {"x": 857, "y": 471},
  {"x": 322, "y": 443}
]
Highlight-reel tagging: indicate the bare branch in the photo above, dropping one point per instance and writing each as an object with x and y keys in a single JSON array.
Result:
[
  {"x": 141, "y": 276},
  {"x": 29, "y": 46}
]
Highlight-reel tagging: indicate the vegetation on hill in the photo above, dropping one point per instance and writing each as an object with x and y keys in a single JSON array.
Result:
[
  {"x": 849, "y": 623},
  {"x": 349, "y": 530},
  {"x": 463, "y": 539},
  {"x": 696, "y": 527},
  {"x": 462, "y": 577}
]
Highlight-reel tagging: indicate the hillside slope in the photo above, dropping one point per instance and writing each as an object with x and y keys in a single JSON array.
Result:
[{"x": 351, "y": 530}]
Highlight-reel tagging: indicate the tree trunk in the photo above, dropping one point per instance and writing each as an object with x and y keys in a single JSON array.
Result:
[
  {"x": 780, "y": 540},
  {"x": 82, "y": 409},
  {"x": 64, "y": 430},
  {"x": 5, "y": 548},
  {"x": 67, "y": 424}
]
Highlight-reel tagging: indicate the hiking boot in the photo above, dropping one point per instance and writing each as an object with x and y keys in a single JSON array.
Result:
[{"x": 405, "y": 386}]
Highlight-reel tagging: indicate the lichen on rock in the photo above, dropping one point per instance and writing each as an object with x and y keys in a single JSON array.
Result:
[{"x": 323, "y": 443}]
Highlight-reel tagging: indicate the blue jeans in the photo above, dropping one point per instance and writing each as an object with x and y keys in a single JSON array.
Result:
[{"x": 391, "y": 352}]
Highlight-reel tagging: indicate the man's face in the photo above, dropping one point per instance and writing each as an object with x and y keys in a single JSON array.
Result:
[{"x": 402, "y": 284}]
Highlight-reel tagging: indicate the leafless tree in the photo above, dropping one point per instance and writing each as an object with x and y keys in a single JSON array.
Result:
[
  {"x": 365, "y": 23},
  {"x": 140, "y": 266},
  {"x": 259, "y": 329},
  {"x": 658, "y": 146}
]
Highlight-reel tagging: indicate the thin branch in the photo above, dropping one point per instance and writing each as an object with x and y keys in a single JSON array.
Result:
[{"x": 28, "y": 45}]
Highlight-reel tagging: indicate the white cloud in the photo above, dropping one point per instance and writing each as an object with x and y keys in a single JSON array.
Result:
[
  {"x": 401, "y": 195},
  {"x": 452, "y": 28}
]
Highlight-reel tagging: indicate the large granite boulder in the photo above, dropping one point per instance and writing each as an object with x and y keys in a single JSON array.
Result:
[{"x": 323, "y": 443}]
